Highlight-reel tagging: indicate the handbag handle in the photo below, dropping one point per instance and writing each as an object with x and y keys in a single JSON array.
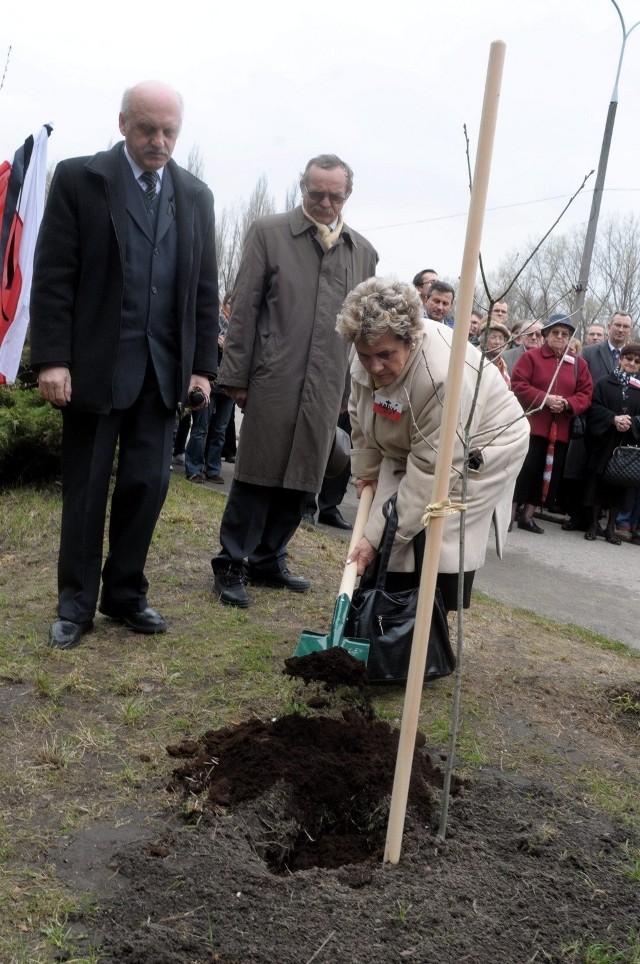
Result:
[{"x": 374, "y": 576}]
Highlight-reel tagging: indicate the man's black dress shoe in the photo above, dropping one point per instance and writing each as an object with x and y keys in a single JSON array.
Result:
[
  {"x": 332, "y": 517},
  {"x": 228, "y": 585},
  {"x": 65, "y": 634},
  {"x": 140, "y": 621},
  {"x": 278, "y": 579}
]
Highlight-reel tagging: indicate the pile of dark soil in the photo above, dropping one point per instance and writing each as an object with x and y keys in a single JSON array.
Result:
[
  {"x": 281, "y": 861},
  {"x": 333, "y": 778}
]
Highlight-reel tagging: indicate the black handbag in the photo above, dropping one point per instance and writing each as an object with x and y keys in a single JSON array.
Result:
[
  {"x": 623, "y": 467},
  {"x": 577, "y": 427},
  {"x": 386, "y": 619}
]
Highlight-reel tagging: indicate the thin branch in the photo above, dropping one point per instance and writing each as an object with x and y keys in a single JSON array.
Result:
[
  {"x": 6, "y": 67},
  {"x": 485, "y": 283}
]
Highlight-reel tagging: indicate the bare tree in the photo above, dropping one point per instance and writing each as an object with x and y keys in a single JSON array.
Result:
[
  {"x": 291, "y": 197},
  {"x": 195, "y": 164},
  {"x": 548, "y": 282},
  {"x": 232, "y": 226}
]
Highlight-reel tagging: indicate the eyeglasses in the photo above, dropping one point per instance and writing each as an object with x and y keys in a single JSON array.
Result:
[
  {"x": 532, "y": 334},
  {"x": 317, "y": 196}
]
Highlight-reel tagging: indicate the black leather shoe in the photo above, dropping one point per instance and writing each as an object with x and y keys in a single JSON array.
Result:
[
  {"x": 530, "y": 526},
  {"x": 573, "y": 526},
  {"x": 146, "y": 621},
  {"x": 278, "y": 579},
  {"x": 332, "y": 517},
  {"x": 228, "y": 585},
  {"x": 67, "y": 635}
]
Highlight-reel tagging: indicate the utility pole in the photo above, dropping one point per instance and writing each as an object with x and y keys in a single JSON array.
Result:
[{"x": 592, "y": 226}]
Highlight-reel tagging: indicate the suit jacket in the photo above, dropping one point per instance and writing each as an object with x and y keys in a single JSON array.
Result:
[
  {"x": 599, "y": 359},
  {"x": 79, "y": 271}
]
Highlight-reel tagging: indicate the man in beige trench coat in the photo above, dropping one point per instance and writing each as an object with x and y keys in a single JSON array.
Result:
[{"x": 287, "y": 369}]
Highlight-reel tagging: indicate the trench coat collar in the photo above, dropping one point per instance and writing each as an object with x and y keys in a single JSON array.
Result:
[{"x": 299, "y": 223}]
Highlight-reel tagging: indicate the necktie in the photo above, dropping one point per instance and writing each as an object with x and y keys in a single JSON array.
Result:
[
  {"x": 616, "y": 356},
  {"x": 150, "y": 179}
]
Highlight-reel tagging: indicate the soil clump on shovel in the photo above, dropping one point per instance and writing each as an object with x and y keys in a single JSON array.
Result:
[{"x": 333, "y": 667}]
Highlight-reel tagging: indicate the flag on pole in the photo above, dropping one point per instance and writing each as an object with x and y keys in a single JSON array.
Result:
[{"x": 21, "y": 205}]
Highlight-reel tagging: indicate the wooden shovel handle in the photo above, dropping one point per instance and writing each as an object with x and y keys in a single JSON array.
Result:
[{"x": 351, "y": 568}]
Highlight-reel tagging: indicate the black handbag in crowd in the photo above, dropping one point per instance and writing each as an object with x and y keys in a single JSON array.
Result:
[
  {"x": 386, "y": 619},
  {"x": 578, "y": 427},
  {"x": 623, "y": 467}
]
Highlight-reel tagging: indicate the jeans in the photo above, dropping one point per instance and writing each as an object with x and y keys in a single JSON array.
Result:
[
  {"x": 195, "y": 448},
  {"x": 223, "y": 409}
]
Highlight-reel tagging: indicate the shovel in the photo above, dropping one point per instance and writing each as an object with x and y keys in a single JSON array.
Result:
[{"x": 315, "y": 642}]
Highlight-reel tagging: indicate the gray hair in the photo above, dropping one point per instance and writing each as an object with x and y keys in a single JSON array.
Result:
[
  {"x": 130, "y": 92},
  {"x": 328, "y": 162},
  {"x": 378, "y": 306}
]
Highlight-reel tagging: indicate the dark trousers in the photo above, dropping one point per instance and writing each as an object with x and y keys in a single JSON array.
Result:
[
  {"x": 145, "y": 435},
  {"x": 333, "y": 490},
  {"x": 230, "y": 447},
  {"x": 257, "y": 525}
]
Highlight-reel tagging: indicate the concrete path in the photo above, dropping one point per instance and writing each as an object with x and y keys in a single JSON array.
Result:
[{"x": 559, "y": 574}]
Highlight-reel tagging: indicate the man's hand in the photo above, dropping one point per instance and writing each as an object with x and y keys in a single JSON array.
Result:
[
  {"x": 54, "y": 384},
  {"x": 201, "y": 382},
  {"x": 239, "y": 395},
  {"x": 363, "y": 554}
]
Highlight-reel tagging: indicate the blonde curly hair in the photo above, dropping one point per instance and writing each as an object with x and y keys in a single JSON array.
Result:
[{"x": 380, "y": 305}]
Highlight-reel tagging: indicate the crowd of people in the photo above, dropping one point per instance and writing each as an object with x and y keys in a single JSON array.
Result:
[{"x": 127, "y": 328}]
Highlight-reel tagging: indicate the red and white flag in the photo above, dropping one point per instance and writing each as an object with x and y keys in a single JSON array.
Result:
[{"x": 22, "y": 186}]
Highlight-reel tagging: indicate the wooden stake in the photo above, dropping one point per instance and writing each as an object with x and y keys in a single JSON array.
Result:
[{"x": 428, "y": 576}]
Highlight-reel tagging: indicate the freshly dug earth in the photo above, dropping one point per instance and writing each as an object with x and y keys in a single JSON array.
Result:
[
  {"x": 281, "y": 860},
  {"x": 267, "y": 847}
]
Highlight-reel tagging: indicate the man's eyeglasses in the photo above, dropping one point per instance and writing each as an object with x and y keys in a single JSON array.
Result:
[
  {"x": 317, "y": 196},
  {"x": 532, "y": 334}
]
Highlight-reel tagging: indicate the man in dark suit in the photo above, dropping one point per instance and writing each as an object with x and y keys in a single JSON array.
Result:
[
  {"x": 124, "y": 322},
  {"x": 602, "y": 358}
]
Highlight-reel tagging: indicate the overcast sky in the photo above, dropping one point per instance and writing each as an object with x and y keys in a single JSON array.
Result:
[{"x": 388, "y": 87}]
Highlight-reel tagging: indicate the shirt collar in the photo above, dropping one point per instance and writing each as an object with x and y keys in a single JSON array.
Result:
[{"x": 137, "y": 170}]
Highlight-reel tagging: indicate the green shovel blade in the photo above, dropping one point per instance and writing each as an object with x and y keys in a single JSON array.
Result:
[{"x": 316, "y": 642}]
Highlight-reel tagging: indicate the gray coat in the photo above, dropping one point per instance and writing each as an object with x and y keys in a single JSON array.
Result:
[
  {"x": 282, "y": 345},
  {"x": 511, "y": 355}
]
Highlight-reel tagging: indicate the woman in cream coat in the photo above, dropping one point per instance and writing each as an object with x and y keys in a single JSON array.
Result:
[{"x": 398, "y": 376}]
